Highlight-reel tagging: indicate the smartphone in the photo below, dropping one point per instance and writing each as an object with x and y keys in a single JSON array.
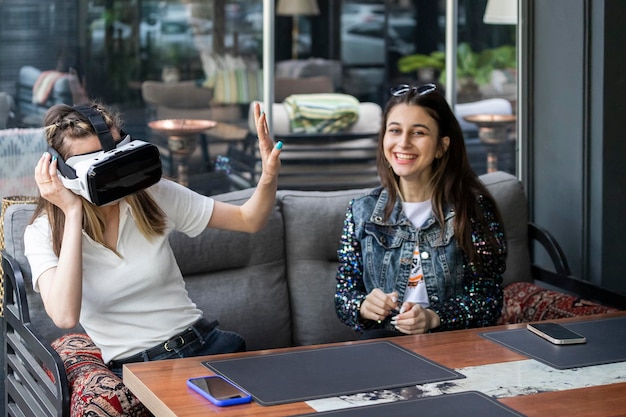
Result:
[
  {"x": 555, "y": 333},
  {"x": 219, "y": 391}
]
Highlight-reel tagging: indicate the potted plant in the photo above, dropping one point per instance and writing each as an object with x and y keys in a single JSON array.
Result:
[
  {"x": 427, "y": 67},
  {"x": 473, "y": 68}
]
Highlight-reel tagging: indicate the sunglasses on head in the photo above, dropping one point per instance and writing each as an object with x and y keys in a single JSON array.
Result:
[{"x": 403, "y": 89}]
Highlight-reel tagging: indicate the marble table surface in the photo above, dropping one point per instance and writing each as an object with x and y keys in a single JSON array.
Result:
[{"x": 498, "y": 380}]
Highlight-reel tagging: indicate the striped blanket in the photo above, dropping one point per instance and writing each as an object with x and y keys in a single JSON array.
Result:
[
  {"x": 44, "y": 84},
  {"x": 321, "y": 113}
]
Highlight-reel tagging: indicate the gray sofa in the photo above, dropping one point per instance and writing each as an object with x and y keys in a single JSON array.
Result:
[{"x": 274, "y": 287}]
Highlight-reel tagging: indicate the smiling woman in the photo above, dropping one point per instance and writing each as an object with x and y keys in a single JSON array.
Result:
[
  {"x": 430, "y": 202},
  {"x": 411, "y": 144}
]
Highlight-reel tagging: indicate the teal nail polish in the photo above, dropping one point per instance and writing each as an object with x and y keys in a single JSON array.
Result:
[
  {"x": 54, "y": 157},
  {"x": 279, "y": 145}
]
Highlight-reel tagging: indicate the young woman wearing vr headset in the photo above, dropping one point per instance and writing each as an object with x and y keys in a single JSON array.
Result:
[{"x": 108, "y": 264}]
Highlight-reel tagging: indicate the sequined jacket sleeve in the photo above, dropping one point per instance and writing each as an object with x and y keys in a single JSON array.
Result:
[
  {"x": 350, "y": 291},
  {"x": 480, "y": 304}
]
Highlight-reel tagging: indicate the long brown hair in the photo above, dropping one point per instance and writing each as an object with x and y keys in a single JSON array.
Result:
[
  {"x": 63, "y": 124},
  {"x": 453, "y": 181}
]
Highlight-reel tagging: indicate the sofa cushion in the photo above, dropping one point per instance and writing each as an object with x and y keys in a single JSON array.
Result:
[
  {"x": 311, "y": 244},
  {"x": 239, "y": 278},
  {"x": 511, "y": 200},
  {"x": 238, "y": 86}
]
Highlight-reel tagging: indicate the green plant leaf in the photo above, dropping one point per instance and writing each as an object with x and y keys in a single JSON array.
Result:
[
  {"x": 412, "y": 63},
  {"x": 470, "y": 64}
]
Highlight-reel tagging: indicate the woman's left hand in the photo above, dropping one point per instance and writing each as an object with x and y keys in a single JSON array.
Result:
[
  {"x": 252, "y": 216},
  {"x": 415, "y": 319},
  {"x": 269, "y": 152}
]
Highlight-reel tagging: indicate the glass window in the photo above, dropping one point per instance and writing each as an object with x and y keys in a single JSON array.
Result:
[
  {"x": 406, "y": 44},
  {"x": 111, "y": 48}
]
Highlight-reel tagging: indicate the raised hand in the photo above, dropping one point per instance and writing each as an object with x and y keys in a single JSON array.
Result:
[
  {"x": 50, "y": 186},
  {"x": 269, "y": 152}
]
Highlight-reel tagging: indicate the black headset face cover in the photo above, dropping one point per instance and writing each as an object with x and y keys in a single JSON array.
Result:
[
  {"x": 114, "y": 172},
  {"x": 128, "y": 172}
]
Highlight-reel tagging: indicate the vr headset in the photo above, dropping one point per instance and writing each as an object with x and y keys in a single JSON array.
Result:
[{"x": 114, "y": 172}]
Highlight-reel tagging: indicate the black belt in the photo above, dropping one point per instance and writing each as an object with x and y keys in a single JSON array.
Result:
[{"x": 190, "y": 334}]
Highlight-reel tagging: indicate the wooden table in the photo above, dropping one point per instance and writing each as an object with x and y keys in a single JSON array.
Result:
[{"x": 161, "y": 385}]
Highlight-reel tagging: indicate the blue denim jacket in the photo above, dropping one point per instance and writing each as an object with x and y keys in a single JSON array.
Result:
[{"x": 375, "y": 253}]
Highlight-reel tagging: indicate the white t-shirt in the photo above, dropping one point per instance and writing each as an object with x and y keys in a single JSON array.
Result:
[
  {"x": 136, "y": 301},
  {"x": 416, "y": 292}
]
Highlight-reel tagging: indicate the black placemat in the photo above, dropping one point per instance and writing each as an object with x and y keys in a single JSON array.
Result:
[
  {"x": 277, "y": 378},
  {"x": 466, "y": 404},
  {"x": 606, "y": 343}
]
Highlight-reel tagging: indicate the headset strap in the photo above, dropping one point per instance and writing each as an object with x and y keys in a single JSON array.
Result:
[
  {"x": 99, "y": 126},
  {"x": 66, "y": 170}
]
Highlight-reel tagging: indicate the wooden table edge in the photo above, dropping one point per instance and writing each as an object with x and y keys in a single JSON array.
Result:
[{"x": 158, "y": 407}]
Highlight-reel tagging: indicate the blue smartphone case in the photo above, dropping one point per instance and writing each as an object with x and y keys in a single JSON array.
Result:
[{"x": 242, "y": 399}]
